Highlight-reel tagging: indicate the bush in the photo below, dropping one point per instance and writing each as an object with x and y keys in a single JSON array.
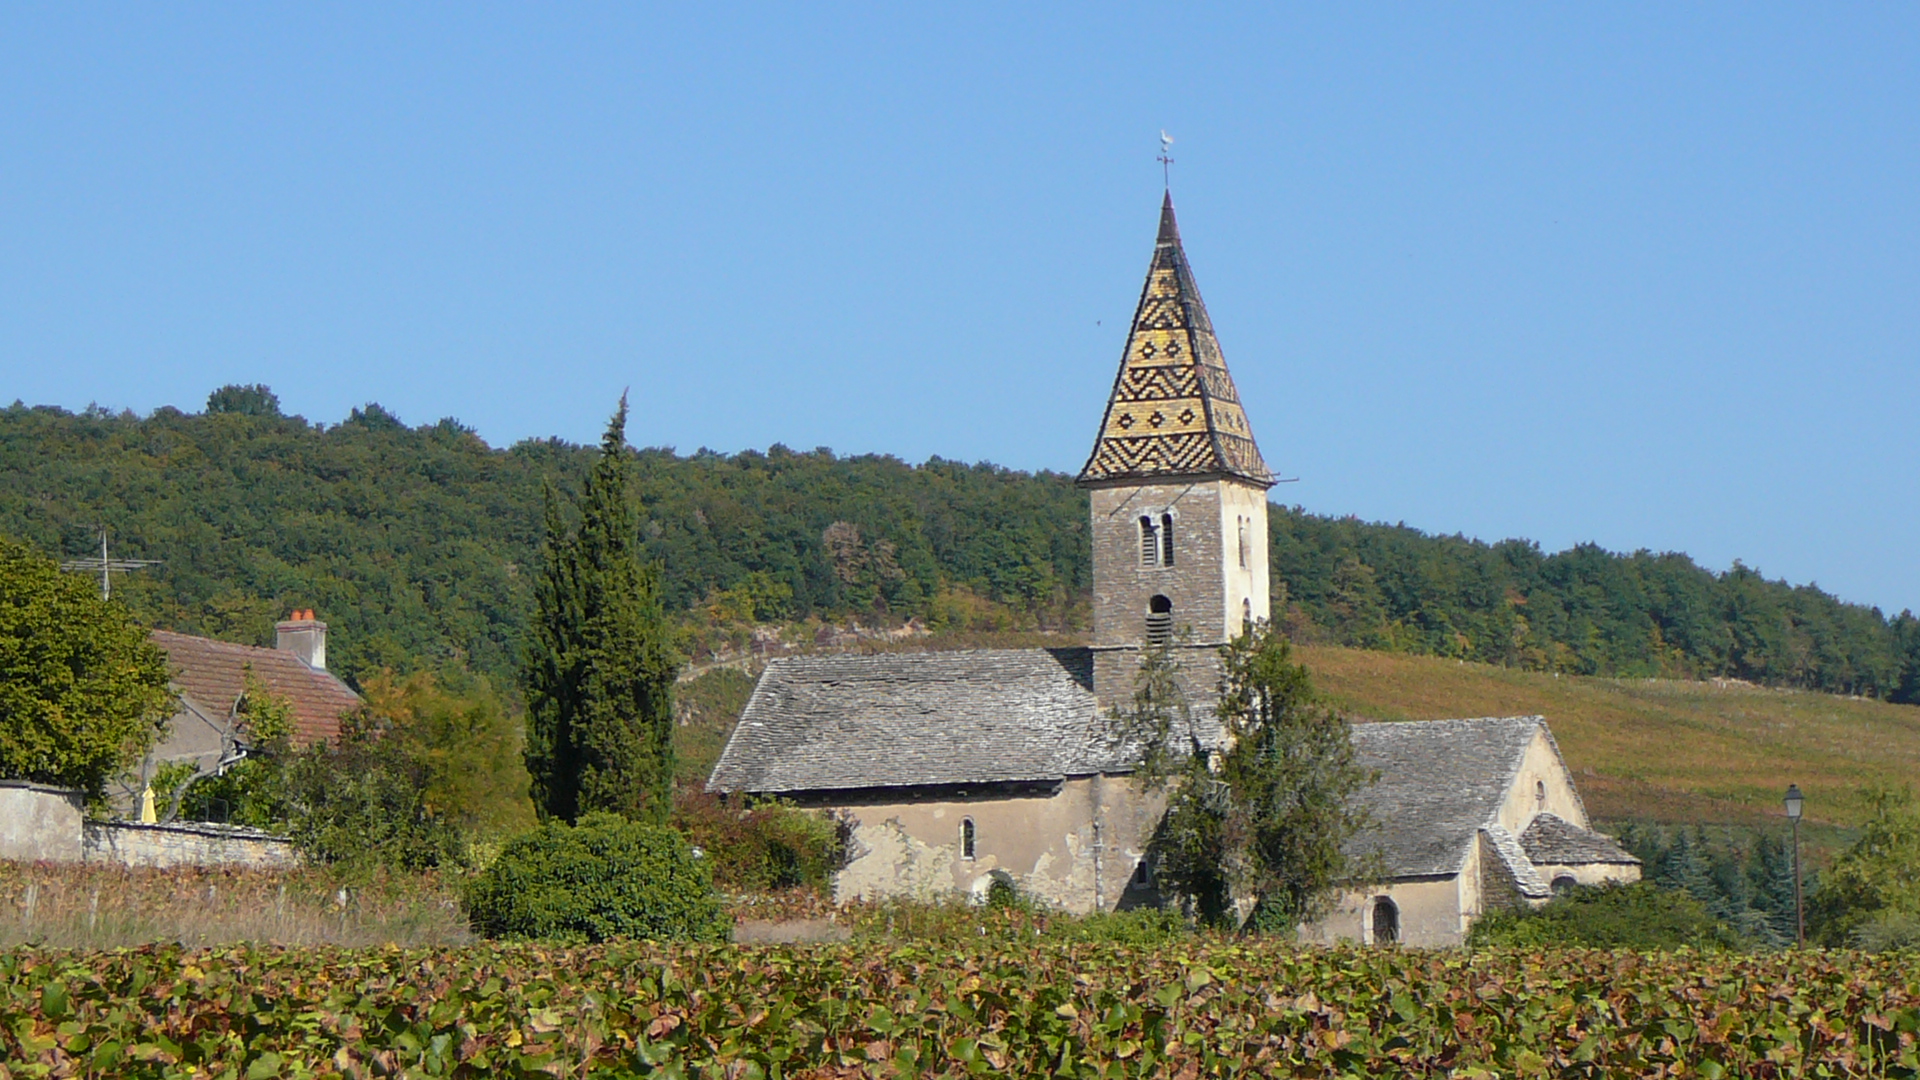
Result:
[
  {"x": 763, "y": 846},
  {"x": 1641, "y": 915},
  {"x": 603, "y": 878}
]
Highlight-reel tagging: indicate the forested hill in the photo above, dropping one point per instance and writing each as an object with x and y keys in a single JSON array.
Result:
[{"x": 415, "y": 544}]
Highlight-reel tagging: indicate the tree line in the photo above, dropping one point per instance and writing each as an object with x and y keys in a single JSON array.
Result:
[{"x": 420, "y": 544}]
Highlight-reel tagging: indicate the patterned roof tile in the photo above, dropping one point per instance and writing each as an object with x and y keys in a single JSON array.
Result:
[{"x": 1174, "y": 410}]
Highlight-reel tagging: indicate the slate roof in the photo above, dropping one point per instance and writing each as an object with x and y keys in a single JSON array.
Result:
[
  {"x": 1441, "y": 782},
  {"x": 1551, "y": 840},
  {"x": 212, "y": 674},
  {"x": 979, "y": 716},
  {"x": 1174, "y": 410}
]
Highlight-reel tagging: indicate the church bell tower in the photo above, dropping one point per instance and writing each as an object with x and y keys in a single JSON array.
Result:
[{"x": 1178, "y": 491}]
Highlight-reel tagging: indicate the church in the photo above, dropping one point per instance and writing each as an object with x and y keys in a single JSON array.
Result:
[{"x": 959, "y": 769}]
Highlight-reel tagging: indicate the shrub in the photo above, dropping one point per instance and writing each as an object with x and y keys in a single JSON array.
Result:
[
  {"x": 1641, "y": 915},
  {"x": 603, "y": 878},
  {"x": 763, "y": 846}
]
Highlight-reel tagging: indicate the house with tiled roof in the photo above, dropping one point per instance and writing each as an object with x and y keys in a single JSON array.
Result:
[
  {"x": 211, "y": 678},
  {"x": 958, "y": 769}
]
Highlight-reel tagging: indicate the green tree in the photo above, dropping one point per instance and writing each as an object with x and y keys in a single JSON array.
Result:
[
  {"x": 1874, "y": 886},
  {"x": 254, "y": 400},
  {"x": 465, "y": 745},
  {"x": 83, "y": 692},
  {"x": 600, "y": 663},
  {"x": 1267, "y": 817}
]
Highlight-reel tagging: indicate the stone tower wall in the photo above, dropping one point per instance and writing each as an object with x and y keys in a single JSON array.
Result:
[{"x": 1211, "y": 586}]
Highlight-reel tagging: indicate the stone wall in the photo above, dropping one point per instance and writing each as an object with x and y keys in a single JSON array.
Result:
[
  {"x": 46, "y": 824},
  {"x": 39, "y": 823},
  {"x": 1075, "y": 845},
  {"x": 133, "y": 843}
]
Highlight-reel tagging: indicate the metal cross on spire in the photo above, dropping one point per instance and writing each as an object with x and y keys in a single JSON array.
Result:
[
  {"x": 1166, "y": 160},
  {"x": 107, "y": 566}
]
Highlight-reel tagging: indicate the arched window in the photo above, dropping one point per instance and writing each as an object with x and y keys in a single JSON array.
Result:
[
  {"x": 1166, "y": 539},
  {"x": 1243, "y": 543},
  {"x": 1246, "y": 613},
  {"x": 1564, "y": 884},
  {"x": 1159, "y": 621},
  {"x": 1386, "y": 921},
  {"x": 1540, "y": 793},
  {"x": 966, "y": 838},
  {"x": 1149, "y": 542}
]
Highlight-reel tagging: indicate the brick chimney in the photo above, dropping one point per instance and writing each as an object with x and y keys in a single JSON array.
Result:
[{"x": 304, "y": 636}]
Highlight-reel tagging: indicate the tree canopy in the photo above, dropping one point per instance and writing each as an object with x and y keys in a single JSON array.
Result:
[
  {"x": 419, "y": 545},
  {"x": 83, "y": 693}
]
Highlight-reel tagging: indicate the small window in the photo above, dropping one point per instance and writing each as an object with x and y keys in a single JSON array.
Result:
[
  {"x": 1540, "y": 793},
  {"x": 1142, "y": 874},
  {"x": 1246, "y": 614},
  {"x": 1149, "y": 542},
  {"x": 1386, "y": 922},
  {"x": 1243, "y": 543},
  {"x": 1159, "y": 621},
  {"x": 1564, "y": 884},
  {"x": 1166, "y": 539},
  {"x": 966, "y": 838}
]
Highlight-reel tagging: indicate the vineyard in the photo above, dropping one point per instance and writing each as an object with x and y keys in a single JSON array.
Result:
[{"x": 1198, "y": 1008}]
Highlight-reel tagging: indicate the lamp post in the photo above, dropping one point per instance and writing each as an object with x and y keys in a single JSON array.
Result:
[{"x": 1795, "y": 802}]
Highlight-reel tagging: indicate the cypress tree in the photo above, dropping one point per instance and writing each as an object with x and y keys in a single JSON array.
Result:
[{"x": 600, "y": 663}]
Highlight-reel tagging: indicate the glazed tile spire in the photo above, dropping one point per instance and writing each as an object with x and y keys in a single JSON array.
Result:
[{"x": 1174, "y": 411}]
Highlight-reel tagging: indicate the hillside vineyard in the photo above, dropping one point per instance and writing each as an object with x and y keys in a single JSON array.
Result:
[{"x": 413, "y": 543}]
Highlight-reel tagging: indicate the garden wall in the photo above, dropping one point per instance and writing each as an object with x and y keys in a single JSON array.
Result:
[{"x": 46, "y": 824}]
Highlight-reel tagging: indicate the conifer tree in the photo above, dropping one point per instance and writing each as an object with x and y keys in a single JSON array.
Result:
[{"x": 600, "y": 664}]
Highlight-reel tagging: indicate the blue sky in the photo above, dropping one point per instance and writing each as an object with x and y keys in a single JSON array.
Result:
[{"x": 1643, "y": 275}]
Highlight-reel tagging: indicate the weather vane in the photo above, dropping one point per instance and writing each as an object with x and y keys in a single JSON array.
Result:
[{"x": 1166, "y": 160}]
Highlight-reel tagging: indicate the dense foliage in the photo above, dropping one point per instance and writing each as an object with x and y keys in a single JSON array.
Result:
[
  {"x": 762, "y": 846},
  {"x": 600, "y": 879},
  {"x": 1642, "y": 915},
  {"x": 1263, "y": 818},
  {"x": 1190, "y": 1010},
  {"x": 83, "y": 693},
  {"x": 1870, "y": 896},
  {"x": 416, "y": 544},
  {"x": 412, "y": 781},
  {"x": 600, "y": 660},
  {"x": 1741, "y": 878},
  {"x": 1584, "y": 610}
]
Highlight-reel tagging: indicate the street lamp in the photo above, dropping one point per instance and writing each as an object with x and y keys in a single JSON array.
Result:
[{"x": 1795, "y": 803}]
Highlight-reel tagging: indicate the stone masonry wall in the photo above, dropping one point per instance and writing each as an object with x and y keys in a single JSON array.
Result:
[{"x": 132, "y": 843}]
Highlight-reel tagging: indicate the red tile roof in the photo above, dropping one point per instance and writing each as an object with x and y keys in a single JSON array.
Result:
[{"x": 213, "y": 674}]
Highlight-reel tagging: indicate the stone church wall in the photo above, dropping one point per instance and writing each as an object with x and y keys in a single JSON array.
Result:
[{"x": 1046, "y": 844}]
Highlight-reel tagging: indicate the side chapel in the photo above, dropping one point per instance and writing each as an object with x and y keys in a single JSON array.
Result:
[{"x": 957, "y": 769}]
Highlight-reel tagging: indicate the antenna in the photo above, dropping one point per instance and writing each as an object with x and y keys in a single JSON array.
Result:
[
  {"x": 1166, "y": 160},
  {"x": 107, "y": 566}
]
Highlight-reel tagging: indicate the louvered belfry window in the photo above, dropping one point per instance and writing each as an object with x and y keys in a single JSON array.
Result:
[
  {"x": 1166, "y": 539},
  {"x": 1159, "y": 621},
  {"x": 1149, "y": 542}
]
